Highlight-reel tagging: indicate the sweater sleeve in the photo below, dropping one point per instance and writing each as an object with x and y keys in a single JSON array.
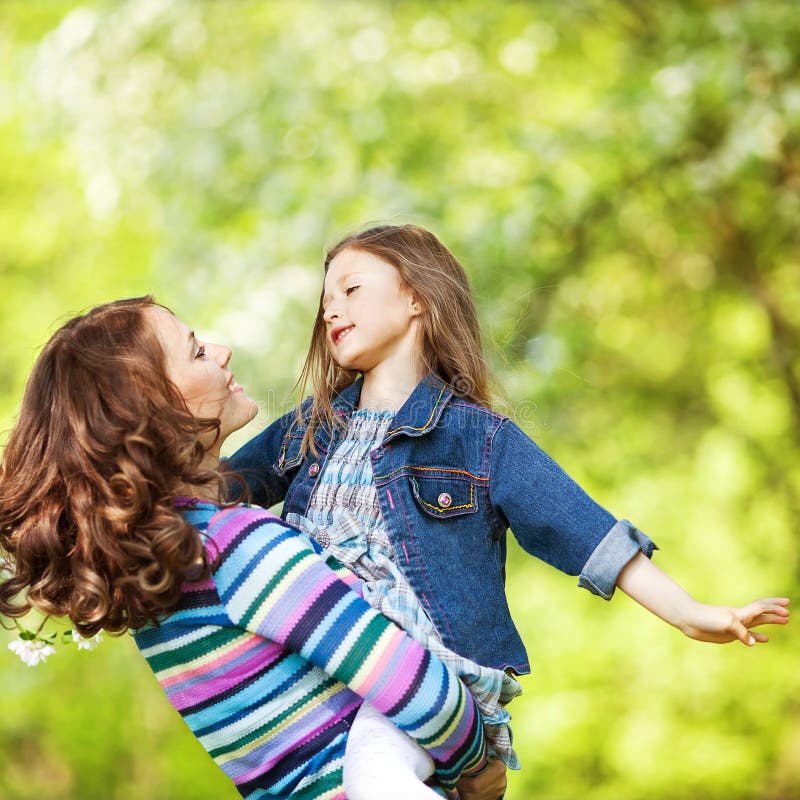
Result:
[{"x": 272, "y": 583}]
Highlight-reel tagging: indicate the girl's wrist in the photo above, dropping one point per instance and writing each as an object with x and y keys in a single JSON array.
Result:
[{"x": 689, "y": 617}]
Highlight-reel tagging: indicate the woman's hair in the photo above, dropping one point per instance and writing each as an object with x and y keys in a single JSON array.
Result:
[
  {"x": 451, "y": 339},
  {"x": 102, "y": 444}
]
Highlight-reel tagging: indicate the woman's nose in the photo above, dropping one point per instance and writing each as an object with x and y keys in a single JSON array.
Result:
[{"x": 223, "y": 354}]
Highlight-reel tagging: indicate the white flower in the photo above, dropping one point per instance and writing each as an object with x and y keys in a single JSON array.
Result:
[
  {"x": 31, "y": 651},
  {"x": 86, "y": 644}
]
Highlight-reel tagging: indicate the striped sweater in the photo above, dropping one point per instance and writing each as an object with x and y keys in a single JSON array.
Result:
[{"x": 269, "y": 659}]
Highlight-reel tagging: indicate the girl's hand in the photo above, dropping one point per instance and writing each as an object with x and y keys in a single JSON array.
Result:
[
  {"x": 720, "y": 624},
  {"x": 656, "y": 591}
]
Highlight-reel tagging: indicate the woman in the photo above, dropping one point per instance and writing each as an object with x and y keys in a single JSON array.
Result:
[{"x": 112, "y": 514}]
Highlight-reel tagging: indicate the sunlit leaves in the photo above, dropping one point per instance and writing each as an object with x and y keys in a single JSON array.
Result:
[{"x": 622, "y": 183}]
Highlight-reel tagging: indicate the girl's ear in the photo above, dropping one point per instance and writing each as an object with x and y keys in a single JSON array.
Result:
[{"x": 414, "y": 304}]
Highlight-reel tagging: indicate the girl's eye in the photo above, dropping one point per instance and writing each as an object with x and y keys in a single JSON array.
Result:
[
  {"x": 350, "y": 289},
  {"x": 201, "y": 351}
]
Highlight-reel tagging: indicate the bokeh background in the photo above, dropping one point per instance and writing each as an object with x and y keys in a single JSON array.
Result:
[{"x": 621, "y": 181}]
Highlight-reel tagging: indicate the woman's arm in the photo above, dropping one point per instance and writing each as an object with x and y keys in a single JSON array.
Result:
[
  {"x": 657, "y": 592},
  {"x": 273, "y": 584}
]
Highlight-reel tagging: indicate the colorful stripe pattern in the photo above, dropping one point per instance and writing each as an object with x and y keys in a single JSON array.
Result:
[{"x": 269, "y": 659}]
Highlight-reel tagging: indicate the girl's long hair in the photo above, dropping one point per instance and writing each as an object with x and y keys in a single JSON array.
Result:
[
  {"x": 451, "y": 338},
  {"x": 88, "y": 478}
]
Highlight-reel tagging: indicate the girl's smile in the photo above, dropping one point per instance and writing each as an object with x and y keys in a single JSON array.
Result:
[{"x": 338, "y": 333}]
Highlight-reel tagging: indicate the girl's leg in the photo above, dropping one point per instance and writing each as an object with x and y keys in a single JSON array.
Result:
[{"x": 381, "y": 761}]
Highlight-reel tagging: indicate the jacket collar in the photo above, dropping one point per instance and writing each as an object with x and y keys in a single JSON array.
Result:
[
  {"x": 418, "y": 415},
  {"x": 347, "y": 400}
]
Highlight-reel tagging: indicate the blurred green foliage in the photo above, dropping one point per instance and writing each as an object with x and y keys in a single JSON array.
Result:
[{"x": 622, "y": 182}]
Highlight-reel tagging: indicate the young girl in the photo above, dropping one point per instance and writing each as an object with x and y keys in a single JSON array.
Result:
[
  {"x": 110, "y": 514},
  {"x": 398, "y": 466}
]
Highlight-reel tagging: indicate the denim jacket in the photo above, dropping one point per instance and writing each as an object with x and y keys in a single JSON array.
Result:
[{"x": 451, "y": 478}]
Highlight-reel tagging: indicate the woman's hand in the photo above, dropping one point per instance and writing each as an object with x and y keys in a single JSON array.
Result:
[
  {"x": 720, "y": 624},
  {"x": 489, "y": 784}
]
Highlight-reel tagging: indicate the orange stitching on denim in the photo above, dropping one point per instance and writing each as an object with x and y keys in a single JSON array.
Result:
[{"x": 432, "y": 469}]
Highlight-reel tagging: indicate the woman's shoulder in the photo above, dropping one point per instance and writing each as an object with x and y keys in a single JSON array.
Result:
[
  {"x": 240, "y": 518},
  {"x": 223, "y": 526},
  {"x": 242, "y": 540}
]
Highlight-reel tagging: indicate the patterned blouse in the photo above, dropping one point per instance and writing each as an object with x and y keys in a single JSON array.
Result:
[
  {"x": 345, "y": 519},
  {"x": 268, "y": 661}
]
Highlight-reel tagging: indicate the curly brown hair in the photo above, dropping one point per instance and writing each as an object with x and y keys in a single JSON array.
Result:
[{"x": 102, "y": 445}]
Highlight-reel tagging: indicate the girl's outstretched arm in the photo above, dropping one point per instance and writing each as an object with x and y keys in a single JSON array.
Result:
[{"x": 652, "y": 588}]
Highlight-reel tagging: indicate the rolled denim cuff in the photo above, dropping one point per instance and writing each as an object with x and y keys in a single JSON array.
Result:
[{"x": 616, "y": 549}]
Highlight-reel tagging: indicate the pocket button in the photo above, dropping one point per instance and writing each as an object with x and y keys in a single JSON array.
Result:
[{"x": 444, "y": 500}]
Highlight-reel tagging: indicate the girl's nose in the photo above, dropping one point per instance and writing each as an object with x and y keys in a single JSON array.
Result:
[{"x": 330, "y": 313}]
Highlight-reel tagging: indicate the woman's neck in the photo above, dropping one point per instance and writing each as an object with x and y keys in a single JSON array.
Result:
[
  {"x": 208, "y": 493},
  {"x": 203, "y": 491}
]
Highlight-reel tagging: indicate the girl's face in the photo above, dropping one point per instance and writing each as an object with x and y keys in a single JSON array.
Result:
[
  {"x": 200, "y": 372},
  {"x": 370, "y": 316}
]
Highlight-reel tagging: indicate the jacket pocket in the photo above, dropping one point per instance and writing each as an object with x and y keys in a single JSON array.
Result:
[
  {"x": 441, "y": 498},
  {"x": 290, "y": 455}
]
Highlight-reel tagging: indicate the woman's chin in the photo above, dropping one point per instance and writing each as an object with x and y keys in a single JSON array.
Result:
[
  {"x": 252, "y": 411},
  {"x": 247, "y": 413}
]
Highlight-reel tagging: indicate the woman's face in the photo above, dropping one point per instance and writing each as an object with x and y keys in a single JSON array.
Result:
[{"x": 200, "y": 372}]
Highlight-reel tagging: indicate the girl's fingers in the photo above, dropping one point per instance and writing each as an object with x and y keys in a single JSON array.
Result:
[
  {"x": 771, "y": 616},
  {"x": 742, "y": 634},
  {"x": 764, "y": 611},
  {"x": 769, "y": 619},
  {"x": 771, "y": 602},
  {"x": 778, "y": 607},
  {"x": 759, "y": 637}
]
